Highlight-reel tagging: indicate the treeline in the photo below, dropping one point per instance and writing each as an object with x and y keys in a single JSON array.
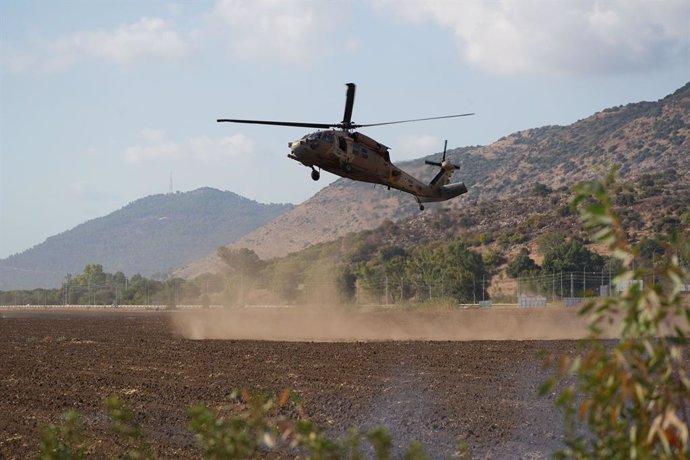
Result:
[
  {"x": 95, "y": 287},
  {"x": 361, "y": 269},
  {"x": 358, "y": 268}
]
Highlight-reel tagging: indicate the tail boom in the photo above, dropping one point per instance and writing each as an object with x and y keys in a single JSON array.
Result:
[{"x": 446, "y": 192}]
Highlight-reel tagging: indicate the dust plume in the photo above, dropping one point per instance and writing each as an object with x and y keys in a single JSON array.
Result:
[{"x": 338, "y": 324}]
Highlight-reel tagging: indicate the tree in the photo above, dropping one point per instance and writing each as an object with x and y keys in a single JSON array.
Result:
[
  {"x": 521, "y": 264},
  {"x": 649, "y": 249},
  {"x": 394, "y": 268},
  {"x": 244, "y": 261},
  {"x": 91, "y": 276},
  {"x": 346, "y": 283},
  {"x": 448, "y": 270},
  {"x": 465, "y": 268},
  {"x": 572, "y": 256}
]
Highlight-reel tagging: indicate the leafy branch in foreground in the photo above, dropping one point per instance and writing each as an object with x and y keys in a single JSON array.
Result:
[
  {"x": 262, "y": 426},
  {"x": 63, "y": 441},
  {"x": 630, "y": 399},
  {"x": 127, "y": 427}
]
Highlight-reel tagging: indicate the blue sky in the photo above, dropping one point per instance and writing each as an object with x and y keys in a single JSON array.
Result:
[{"x": 100, "y": 101}]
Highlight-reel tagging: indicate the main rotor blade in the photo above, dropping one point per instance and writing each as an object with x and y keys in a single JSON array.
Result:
[
  {"x": 280, "y": 123},
  {"x": 349, "y": 102},
  {"x": 445, "y": 145},
  {"x": 409, "y": 121}
]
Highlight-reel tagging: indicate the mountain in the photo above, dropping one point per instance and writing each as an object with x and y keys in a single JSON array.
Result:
[
  {"x": 148, "y": 236},
  {"x": 643, "y": 138}
]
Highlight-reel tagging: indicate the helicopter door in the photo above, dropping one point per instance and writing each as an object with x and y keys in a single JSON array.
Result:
[{"x": 349, "y": 154}]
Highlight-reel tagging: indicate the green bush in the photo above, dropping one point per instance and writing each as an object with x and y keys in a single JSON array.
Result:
[
  {"x": 632, "y": 399},
  {"x": 63, "y": 441},
  {"x": 261, "y": 428}
]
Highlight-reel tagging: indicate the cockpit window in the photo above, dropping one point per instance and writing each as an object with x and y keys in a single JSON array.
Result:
[{"x": 313, "y": 139}]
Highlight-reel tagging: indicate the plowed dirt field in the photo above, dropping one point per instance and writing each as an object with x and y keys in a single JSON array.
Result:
[{"x": 436, "y": 392}]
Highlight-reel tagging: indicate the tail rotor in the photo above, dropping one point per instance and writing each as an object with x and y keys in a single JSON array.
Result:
[{"x": 446, "y": 166}]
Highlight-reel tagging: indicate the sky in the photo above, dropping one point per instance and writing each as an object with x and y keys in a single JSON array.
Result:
[{"x": 102, "y": 102}]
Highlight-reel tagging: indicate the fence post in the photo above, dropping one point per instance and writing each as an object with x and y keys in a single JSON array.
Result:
[{"x": 386, "y": 286}]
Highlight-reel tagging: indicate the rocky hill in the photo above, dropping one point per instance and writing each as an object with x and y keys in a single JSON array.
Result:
[
  {"x": 643, "y": 138},
  {"x": 151, "y": 235}
]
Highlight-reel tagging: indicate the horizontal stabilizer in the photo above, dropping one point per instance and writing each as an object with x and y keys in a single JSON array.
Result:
[
  {"x": 447, "y": 192},
  {"x": 453, "y": 190}
]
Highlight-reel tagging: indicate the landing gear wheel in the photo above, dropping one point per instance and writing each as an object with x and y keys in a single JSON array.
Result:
[
  {"x": 315, "y": 175},
  {"x": 421, "y": 207}
]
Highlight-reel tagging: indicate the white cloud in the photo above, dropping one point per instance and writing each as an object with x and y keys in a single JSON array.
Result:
[
  {"x": 144, "y": 39},
  {"x": 413, "y": 146},
  {"x": 567, "y": 37},
  {"x": 211, "y": 151},
  {"x": 286, "y": 31}
]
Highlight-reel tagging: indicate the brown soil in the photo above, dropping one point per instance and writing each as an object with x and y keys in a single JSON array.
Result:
[{"x": 437, "y": 392}]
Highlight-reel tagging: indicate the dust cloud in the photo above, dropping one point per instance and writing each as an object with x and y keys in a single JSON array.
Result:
[{"x": 339, "y": 324}]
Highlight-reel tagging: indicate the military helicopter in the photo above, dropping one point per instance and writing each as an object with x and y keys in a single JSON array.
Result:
[{"x": 338, "y": 149}]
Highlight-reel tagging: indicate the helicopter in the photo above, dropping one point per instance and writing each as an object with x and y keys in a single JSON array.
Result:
[{"x": 339, "y": 149}]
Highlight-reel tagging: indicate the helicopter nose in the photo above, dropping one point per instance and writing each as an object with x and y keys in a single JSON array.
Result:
[{"x": 296, "y": 146}]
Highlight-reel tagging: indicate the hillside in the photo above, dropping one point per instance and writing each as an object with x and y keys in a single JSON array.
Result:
[
  {"x": 340, "y": 208},
  {"x": 643, "y": 137},
  {"x": 148, "y": 236}
]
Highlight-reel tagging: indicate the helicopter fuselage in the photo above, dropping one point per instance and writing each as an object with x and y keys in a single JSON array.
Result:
[
  {"x": 359, "y": 157},
  {"x": 340, "y": 150}
]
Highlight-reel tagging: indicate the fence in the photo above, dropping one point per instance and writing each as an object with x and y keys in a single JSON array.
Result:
[{"x": 563, "y": 288}]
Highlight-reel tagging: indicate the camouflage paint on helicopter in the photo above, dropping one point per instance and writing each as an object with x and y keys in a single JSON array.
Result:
[{"x": 340, "y": 150}]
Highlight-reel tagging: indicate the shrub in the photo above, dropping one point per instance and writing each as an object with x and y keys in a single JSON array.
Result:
[
  {"x": 63, "y": 441},
  {"x": 266, "y": 426},
  {"x": 629, "y": 400}
]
